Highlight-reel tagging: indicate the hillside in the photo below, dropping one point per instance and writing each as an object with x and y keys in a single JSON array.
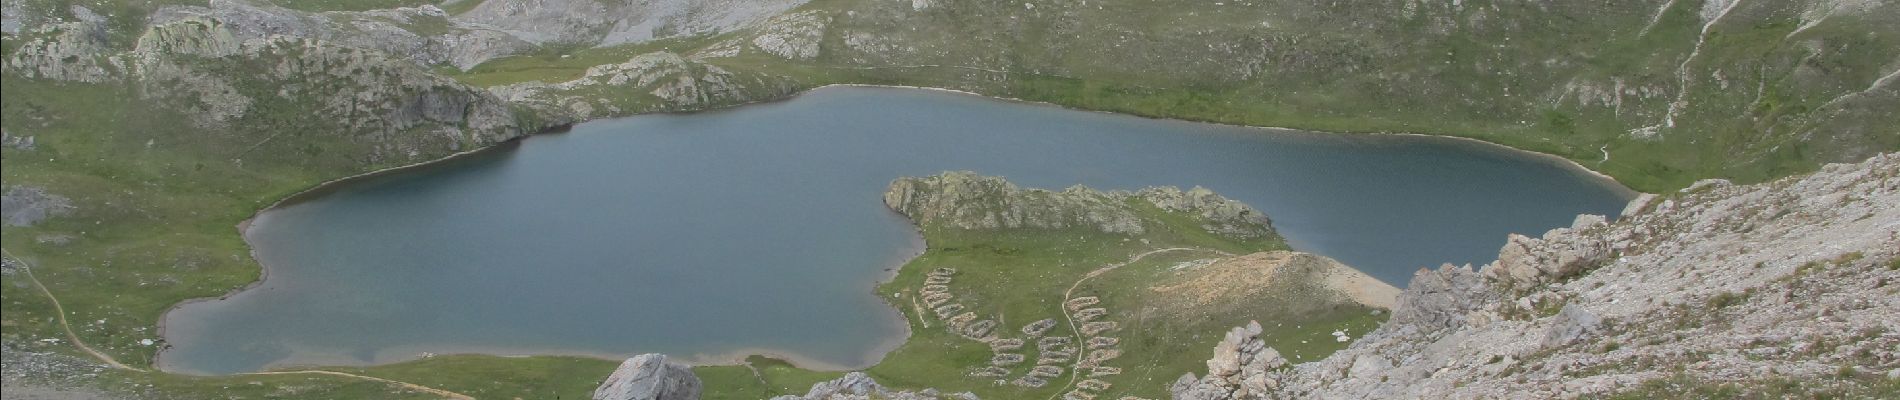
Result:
[{"x": 1778, "y": 290}]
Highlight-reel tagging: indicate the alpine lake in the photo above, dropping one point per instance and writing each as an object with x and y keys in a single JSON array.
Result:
[{"x": 761, "y": 229}]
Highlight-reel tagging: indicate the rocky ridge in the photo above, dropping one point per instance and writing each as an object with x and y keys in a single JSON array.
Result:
[
  {"x": 601, "y": 23},
  {"x": 236, "y": 76},
  {"x": 970, "y": 201},
  {"x": 424, "y": 34},
  {"x": 1791, "y": 279}
]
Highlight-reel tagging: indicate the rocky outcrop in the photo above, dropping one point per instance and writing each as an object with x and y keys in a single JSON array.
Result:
[
  {"x": 1561, "y": 253},
  {"x": 1791, "y": 279},
  {"x": 1238, "y": 369},
  {"x": 966, "y": 200},
  {"x": 1220, "y": 214},
  {"x": 66, "y": 51},
  {"x": 425, "y": 34},
  {"x": 792, "y": 36},
  {"x": 657, "y": 81},
  {"x": 649, "y": 377},
  {"x": 602, "y": 23},
  {"x": 393, "y": 106},
  {"x": 23, "y": 205},
  {"x": 858, "y": 386},
  {"x": 221, "y": 75}
]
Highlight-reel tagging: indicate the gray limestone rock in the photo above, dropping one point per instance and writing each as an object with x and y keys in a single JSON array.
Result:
[
  {"x": 649, "y": 377},
  {"x": 424, "y": 34},
  {"x": 23, "y": 205},
  {"x": 792, "y": 36},
  {"x": 606, "y": 23},
  {"x": 1570, "y": 325}
]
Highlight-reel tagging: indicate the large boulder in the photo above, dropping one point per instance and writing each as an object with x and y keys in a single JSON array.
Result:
[
  {"x": 857, "y": 385},
  {"x": 1561, "y": 253},
  {"x": 1571, "y": 325},
  {"x": 649, "y": 377}
]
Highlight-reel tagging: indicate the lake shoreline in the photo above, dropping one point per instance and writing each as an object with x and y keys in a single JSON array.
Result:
[
  {"x": 330, "y": 186},
  {"x": 1560, "y": 160}
]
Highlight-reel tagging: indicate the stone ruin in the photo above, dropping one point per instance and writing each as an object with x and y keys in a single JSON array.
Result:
[
  {"x": 960, "y": 319},
  {"x": 1101, "y": 349},
  {"x": 1054, "y": 357},
  {"x": 1090, "y": 314},
  {"x": 1053, "y": 341},
  {"x": 1080, "y": 302},
  {"x": 990, "y": 372},
  {"x": 1030, "y": 382},
  {"x": 1006, "y": 359},
  {"x": 978, "y": 329},
  {"x": 944, "y": 312},
  {"x": 1053, "y": 353},
  {"x": 936, "y": 299},
  {"x": 1096, "y": 358},
  {"x": 1039, "y": 327}
]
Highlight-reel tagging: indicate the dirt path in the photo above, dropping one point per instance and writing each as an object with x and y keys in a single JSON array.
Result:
[
  {"x": 60, "y": 312},
  {"x": 109, "y": 361},
  {"x": 406, "y": 385},
  {"x": 1074, "y": 331}
]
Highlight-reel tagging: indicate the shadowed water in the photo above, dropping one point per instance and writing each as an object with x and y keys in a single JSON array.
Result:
[{"x": 761, "y": 229}]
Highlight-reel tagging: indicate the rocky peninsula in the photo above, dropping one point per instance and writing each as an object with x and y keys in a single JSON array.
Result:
[
  {"x": 1026, "y": 292},
  {"x": 1716, "y": 288}
]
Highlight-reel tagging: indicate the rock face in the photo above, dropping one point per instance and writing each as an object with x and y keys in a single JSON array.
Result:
[
  {"x": 424, "y": 34},
  {"x": 657, "y": 81},
  {"x": 969, "y": 201},
  {"x": 606, "y": 23},
  {"x": 1719, "y": 283},
  {"x": 244, "y": 76},
  {"x": 65, "y": 51},
  {"x": 1238, "y": 370},
  {"x": 649, "y": 377},
  {"x": 792, "y": 36},
  {"x": 858, "y": 386}
]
